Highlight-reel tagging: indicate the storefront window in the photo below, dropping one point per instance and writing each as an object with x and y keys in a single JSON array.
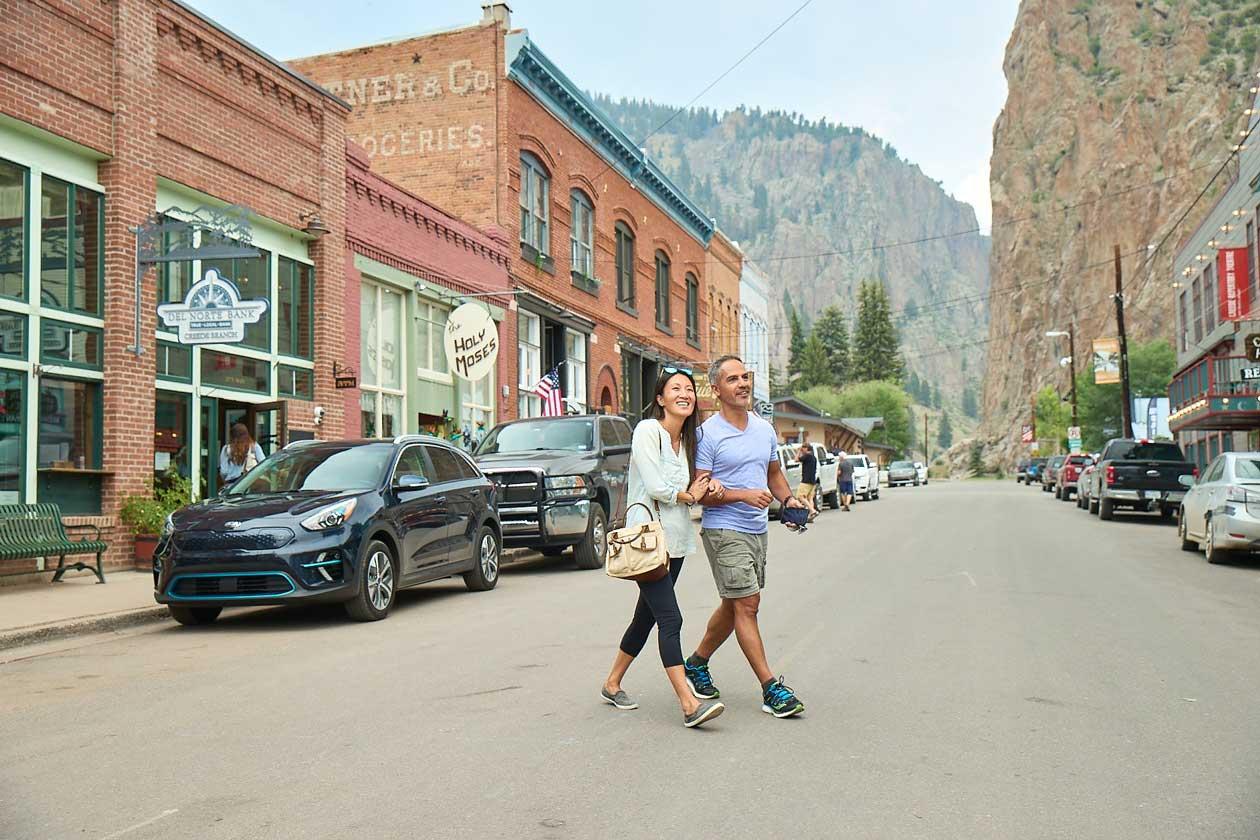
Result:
[
  {"x": 575, "y": 369},
  {"x": 295, "y": 382},
  {"x": 252, "y": 279},
  {"x": 12, "y": 387},
  {"x": 171, "y": 432},
  {"x": 12, "y": 335},
  {"x": 528, "y": 363},
  {"x": 382, "y": 360},
  {"x": 478, "y": 407},
  {"x": 70, "y": 344},
  {"x": 174, "y": 362},
  {"x": 241, "y": 373},
  {"x": 69, "y": 424},
  {"x": 176, "y": 276},
  {"x": 295, "y": 309},
  {"x": 367, "y": 414},
  {"x": 431, "y": 332},
  {"x": 13, "y": 230},
  {"x": 71, "y": 223}
]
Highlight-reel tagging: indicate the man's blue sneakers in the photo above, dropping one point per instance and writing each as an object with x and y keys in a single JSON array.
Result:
[{"x": 779, "y": 700}]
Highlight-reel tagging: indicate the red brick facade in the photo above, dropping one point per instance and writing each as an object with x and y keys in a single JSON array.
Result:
[{"x": 157, "y": 93}]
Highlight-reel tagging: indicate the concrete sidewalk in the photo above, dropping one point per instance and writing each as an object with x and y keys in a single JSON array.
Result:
[{"x": 78, "y": 604}]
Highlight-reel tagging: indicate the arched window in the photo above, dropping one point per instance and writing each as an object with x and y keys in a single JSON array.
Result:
[
  {"x": 582, "y": 234},
  {"x": 625, "y": 266},
  {"x": 662, "y": 291},
  {"x": 693, "y": 309},
  {"x": 535, "y": 189}
]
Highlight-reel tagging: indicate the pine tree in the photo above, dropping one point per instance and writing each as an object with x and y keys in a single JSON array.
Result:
[
  {"x": 969, "y": 406},
  {"x": 778, "y": 384},
  {"x": 815, "y": 366},
  {"x": 833, "y": 331},
  {"x": 977, "y": 459},
  {"x": 876, "y": 347},
  {"x": 797, "y": 345},
  {"x": 936, "y": 396},
  {"x": 945, "y": 434},
  {"x": 913, "y": 386}
]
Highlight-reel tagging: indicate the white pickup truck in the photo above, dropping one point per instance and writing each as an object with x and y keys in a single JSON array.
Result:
[
  {"x": 865, "y": 477},
  {"x": 828, "y": 489}
]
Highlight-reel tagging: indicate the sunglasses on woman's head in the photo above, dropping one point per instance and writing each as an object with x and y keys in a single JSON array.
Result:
[{"x": 670, "y": 370}]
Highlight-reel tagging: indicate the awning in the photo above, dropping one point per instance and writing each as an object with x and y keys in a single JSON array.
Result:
[{"x": 541, "y": 306}]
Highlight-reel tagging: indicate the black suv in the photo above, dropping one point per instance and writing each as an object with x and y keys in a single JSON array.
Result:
[
  {"x": 561, "y": 481},
  {"x": 348, "y": 521}
]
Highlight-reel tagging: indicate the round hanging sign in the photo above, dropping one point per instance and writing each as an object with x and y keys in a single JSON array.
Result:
[{"x": 472, "y": 342}]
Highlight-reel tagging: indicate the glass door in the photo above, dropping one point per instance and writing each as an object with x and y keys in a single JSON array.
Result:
[{"x": 266, "y": 422}]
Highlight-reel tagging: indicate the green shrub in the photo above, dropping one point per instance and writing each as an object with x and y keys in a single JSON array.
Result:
[{"x": 146, "y": 515}]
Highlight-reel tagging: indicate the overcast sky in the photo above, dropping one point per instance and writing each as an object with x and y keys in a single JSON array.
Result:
[{"x": 924, "y": 75}]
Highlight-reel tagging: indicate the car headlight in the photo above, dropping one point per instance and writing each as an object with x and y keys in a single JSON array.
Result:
[
  {"x": 332, "y": 516},
  {"x": 566, "y": 486}
]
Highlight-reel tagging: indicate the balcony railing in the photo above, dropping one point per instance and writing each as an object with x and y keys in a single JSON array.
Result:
[{"x": 1212, "y": 376}]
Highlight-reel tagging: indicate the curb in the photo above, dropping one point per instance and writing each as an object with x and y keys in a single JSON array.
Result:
[{"x": 82, "y": 626}]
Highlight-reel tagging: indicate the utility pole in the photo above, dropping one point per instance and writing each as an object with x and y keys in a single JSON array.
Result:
[
  {"x": 1072, "y": 368},
  {"x": 925, "y": 439},
  {"x": 1126, "y": 407}
]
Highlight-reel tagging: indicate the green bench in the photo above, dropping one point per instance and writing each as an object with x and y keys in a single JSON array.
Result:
[{"x": 28, "y": 532}]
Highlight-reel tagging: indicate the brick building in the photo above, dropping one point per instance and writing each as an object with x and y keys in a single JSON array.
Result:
[
  {"x": 408, "y": 265},
  {"x": 111, "y": 113},
  {"x": 608, "y": 257}
]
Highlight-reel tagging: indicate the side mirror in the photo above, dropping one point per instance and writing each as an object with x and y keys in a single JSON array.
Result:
[
  {"x": 619, "y": 449},
  {"x": 1185, "y": 480},
  {"x": 411, "y": 482}
]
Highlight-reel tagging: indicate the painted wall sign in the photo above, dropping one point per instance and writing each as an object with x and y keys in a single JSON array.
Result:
[
  {"x": 212, "y": 312},
  {"x": 1232, "y": 292},
  {"x": 472, "y": 342}
]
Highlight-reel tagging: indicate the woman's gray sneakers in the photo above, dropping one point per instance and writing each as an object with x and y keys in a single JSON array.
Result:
[
  {"x": 707, "y": 712},
  {"x": 621, "y": 700}
]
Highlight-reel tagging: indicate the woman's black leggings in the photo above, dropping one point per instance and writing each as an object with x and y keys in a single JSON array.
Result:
[{"x": 657, "y": 605}]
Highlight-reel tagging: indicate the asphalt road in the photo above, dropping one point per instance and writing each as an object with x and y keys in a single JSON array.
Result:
[{"x": 978, "y": 661}]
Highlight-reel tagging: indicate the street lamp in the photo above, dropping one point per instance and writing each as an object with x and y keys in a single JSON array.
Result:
[{"x": 1070, "y": 333}]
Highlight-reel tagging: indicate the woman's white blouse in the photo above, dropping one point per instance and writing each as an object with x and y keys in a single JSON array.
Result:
[{"x": 659, "y": 474}]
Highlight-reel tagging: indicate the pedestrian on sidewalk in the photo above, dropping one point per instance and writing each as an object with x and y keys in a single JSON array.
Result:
[
  {"x": 738, "y": 451},
  {"x": 239, "y": 455},
  {"x": 809, "y": 478},
  {"x": 663, "y": 479},
  {"x": 846, "y": 481}
]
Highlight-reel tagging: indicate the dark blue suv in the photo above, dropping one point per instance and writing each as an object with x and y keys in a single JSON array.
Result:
[{"x": 345, "y": 521}]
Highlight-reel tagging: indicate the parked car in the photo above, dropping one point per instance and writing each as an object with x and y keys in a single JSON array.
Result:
[
  {"x": 1220, "y": 513},
  {"x": 1033, "y": 473},
  {"x": 902, "y": 472},
  {"x": 348, "y": 521},
  {"x": 922, "y": 470},
  {"x": 1021, "y": 470},
  {"x": 1141, "y": 475},
  {"x": 1082, "y": 485},
  {"x": 865, "y": 477},
  {"x": 561, "y": 481},
  {"x": 1069, "y": 473},
  {"x": 1049, "y": 473}
]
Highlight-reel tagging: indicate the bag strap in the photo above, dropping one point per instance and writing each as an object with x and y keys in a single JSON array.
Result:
[{"x": 645, "y": 507}]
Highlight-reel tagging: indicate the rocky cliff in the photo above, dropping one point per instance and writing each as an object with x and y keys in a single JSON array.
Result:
[
  {"x": 812, "y": 202},
  {"x": 1118, "y": 114}
]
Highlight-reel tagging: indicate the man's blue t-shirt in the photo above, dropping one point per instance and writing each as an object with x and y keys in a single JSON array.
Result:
[{"x": 740, "y": 460}]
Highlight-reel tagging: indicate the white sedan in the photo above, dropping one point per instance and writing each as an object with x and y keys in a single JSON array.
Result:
[{"x": 1221, "y": 511}]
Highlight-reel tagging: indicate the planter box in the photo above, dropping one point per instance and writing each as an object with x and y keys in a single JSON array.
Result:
[{"x": 145, "y": 546}]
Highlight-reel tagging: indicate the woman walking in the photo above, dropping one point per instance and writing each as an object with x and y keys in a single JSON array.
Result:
[
  {"x": 662, "y": 459},
  {"x": 239, "y": 455}
]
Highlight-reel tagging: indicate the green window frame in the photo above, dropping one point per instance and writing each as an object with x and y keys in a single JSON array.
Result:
[
  {"x": 214, "y": 362},
  {"x": 295, "y": 309},
  {"x": 174, "y": 362},
  {"x": 295, "y": 382},
  {"x": 75, "y": 242},
  {"x": 662, "y": 291},
  {"x": 257, "y": 336},
  {"x": 54, "y": 350},
  {"x": 69, "y": 443},
  {"x": 15, "y": 230},
  {"x": 13, "y": 412},
  {"x": 176, "y": 277},
  {"x": 693, "y": 310}
]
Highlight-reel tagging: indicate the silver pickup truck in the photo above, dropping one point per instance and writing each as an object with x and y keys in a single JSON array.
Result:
[{"x": 828, "y": 489}]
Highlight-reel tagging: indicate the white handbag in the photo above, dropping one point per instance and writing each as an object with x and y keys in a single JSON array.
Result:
[{"x": 638, "y": 552}]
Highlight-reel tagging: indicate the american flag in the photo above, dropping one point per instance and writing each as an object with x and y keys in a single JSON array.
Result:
[{"x": 552, "y": 399}]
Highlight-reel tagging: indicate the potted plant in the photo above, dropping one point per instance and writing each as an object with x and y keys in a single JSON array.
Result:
[{"x": 145, "y": 516}]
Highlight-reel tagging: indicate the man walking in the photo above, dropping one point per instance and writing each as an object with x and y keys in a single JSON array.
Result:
[
  {"x": 846, "y": 481},
  {"x": 737, "y": 449},
  {"x": 809, "y": 478}
]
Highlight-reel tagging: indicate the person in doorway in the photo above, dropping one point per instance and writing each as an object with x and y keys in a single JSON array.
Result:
[
  {"x": 662, "y": 480},
  {"x": 846, "y": 481},
  {"x": 738, "y": 452},
  {"x": 239, "y": 455},
  {"x": 809, "y": 478}
]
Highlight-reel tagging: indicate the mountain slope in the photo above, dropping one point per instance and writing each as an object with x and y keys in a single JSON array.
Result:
[
  {"x": 807, "y": 201},
  {"x": 1117, "y": 115}
]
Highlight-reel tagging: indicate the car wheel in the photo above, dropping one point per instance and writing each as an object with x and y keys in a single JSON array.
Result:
[
  {"x": 378, "y": 583},
  {"x": 1165, "y": 512},
  {"x": 193, "y": 616},
  {"x": 866, "y": 497},
  {"x": 1093, "y": 506},
  {"x": 832, "y": 499},
  {"x": 1106, "y": 510},
  {"x": 1187, "y": 544},
  {"x": 589, "y": 553},
  {"x": 1215, "y": 556},
  {"x": 484, "y": 574}
]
